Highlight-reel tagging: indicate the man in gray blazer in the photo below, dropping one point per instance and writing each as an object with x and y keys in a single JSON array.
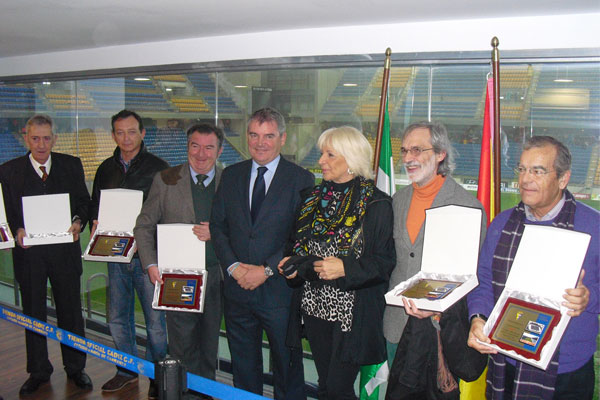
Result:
[
  {"x": 428, "y": 159},
  {"x": 183, "y": 194}
]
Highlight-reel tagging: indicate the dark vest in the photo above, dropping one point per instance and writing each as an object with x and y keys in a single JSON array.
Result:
[
  {"x": 202, "y": 198},
  {"x": 34, "y": 186}
]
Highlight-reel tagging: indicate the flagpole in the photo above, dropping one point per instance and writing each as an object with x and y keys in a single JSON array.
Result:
[
  {"x": 382, "y": 106},
  {"x": 496, "y": 141}
]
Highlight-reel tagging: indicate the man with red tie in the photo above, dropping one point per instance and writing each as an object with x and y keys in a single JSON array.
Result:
[{"x": 41, "y": 172}]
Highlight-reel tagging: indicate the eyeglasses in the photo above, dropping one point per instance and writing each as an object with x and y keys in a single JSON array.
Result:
[
  {"x": 538, "y": 172},
  {"x": 414, "y": 151}
]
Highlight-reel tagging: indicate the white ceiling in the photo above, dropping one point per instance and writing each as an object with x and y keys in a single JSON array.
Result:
[{"x": 45, "y": 26}]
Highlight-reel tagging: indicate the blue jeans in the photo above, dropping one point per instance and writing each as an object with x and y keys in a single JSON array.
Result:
[{"x": 123, "y": 279}]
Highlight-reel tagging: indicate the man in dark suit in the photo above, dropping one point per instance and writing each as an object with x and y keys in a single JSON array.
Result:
[
  {"x": 184, "y": 194},
  {"x": 253, "y": 214},
  {"x": 40, "y": 172}
]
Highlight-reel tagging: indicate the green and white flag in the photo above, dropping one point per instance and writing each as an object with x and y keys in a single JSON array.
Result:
[
  {"x": 385, "y": 175},
  {"x": 371, "y": 376}
]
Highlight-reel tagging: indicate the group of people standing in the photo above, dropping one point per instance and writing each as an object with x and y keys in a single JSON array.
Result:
[{"x": 297, "y": 260}]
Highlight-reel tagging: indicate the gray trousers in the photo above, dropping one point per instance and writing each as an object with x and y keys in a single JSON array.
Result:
[{"x": 194, "y": 337}]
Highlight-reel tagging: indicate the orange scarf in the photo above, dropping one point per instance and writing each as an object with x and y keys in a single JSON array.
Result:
[{"x": 422, "y": 199}]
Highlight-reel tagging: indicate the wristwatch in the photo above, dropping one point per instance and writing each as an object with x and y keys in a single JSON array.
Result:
[{"x": 268, "y": 270}]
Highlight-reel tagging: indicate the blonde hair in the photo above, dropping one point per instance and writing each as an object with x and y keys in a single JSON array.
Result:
[{"x": 353, "y": 146}]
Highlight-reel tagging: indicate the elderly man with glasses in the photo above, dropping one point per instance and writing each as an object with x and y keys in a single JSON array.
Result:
[
  {"x": 428, "y": 159},
  {"x": 543, "y": 171}
]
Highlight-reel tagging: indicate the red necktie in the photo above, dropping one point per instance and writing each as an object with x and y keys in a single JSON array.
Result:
[{"x": 44, "y": 173}]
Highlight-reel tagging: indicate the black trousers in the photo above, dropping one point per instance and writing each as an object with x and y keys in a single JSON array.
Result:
[
  {"x": 245, "y": 324},
  {"x": 38, "y": 264},
  {"x": 336, "y": 378}
]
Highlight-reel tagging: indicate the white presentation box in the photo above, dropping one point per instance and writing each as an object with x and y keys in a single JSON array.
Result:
[
  {"x": 119, "y": 209},
  {"x": 450, "y": 253},
  {"x": 7, "y": 240},
  {"x": 181, "y": 262},
  {"x": 547, "y": 262},
  {"x": 47, "y": 219}
]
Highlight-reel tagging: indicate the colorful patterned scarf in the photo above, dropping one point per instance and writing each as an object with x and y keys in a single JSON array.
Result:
[{"x": 333, "y": 217}]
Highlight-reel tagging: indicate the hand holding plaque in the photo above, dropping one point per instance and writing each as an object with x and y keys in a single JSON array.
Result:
[
  {"x": 112, "y": 239},
  {"x": 181, "y": 262}
]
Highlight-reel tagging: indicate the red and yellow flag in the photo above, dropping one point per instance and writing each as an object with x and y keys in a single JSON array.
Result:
[{"x": 485, "y": 188}]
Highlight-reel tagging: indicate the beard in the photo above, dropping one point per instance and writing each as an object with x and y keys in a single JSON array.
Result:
[{"x": 423, "y": 173}]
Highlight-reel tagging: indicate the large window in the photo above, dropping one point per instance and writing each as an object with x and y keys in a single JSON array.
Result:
[{"x": 558, "y": 99}]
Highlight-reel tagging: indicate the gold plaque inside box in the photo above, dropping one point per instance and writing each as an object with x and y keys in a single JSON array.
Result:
[
  {"x": 524, "y": 327},
  {"x": 181, "y": 291},
  {"x": 110, "y": 246},
  {"x": 431, "y": 289}
]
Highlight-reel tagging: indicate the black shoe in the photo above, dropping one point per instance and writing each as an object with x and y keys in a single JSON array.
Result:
[
  {"x": 152, "y": 390},
  {"x": 118, "y": 382},
  {"x": 31, "y": 385},
  {"x": 81, "y": 380}
]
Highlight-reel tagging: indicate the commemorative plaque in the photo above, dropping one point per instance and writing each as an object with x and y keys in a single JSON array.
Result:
[
  {"x": 113, "y": 239},
  {"x": 524, "y": 327},
  {"x": 3, "y": 233},
  {"x": 430, "y": 289},
  {"x": 110, "y": 246},
  {"x": 448, "y": 262},
  {"x": 181, "y": 290},
  {"x": 181, "y": 262},
  {"x": 6, "y": 239},
  {"x": 47, "y": 219}
]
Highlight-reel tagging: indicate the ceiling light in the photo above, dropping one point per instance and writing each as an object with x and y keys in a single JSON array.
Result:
[
  {"x": 563, "y": 80},
  {"x": 141, "y": 79},
  {"x": 241, "y": 86},
  {"x": 350, "y": 84},
  {"x": 169, "y": 89},
  {"x": 46, "y": 83}
]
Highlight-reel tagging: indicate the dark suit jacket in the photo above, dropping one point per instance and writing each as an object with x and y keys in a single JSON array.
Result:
[
  {"x": 235, "y": 238},
  {"x": 67, "y": 177}
]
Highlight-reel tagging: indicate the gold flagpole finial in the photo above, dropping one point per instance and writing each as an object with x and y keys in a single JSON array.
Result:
[
  {"x": 495, "y": 53},
  {"x": 388, "y": 61}
]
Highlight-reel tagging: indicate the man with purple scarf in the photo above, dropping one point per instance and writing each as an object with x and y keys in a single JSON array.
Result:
[{"x": 544, "y": 172}]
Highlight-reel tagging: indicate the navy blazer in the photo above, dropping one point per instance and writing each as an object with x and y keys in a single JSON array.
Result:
[{"x": 235, "y": 238}]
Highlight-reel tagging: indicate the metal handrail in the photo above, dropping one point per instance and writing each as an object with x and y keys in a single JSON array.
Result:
[{"x": 88, "y": 300}]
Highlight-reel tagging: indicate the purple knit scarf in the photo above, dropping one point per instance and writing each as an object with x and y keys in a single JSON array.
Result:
[{"x": 530, "y": 382}]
